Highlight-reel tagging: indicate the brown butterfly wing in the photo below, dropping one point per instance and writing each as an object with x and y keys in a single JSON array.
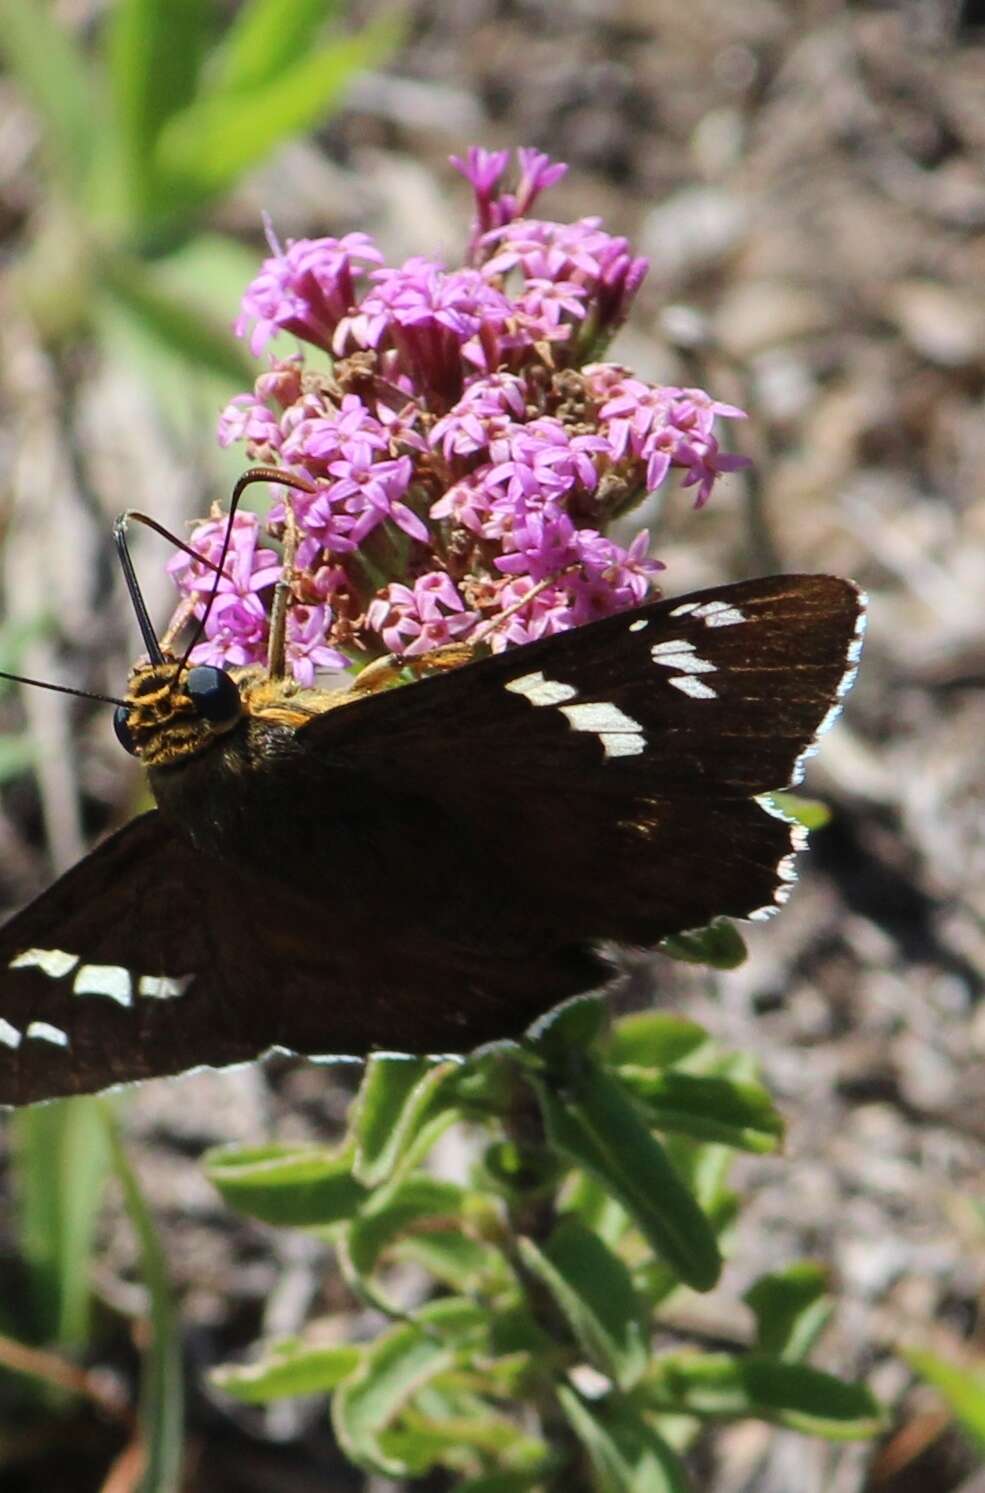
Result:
[
  {"x": 434, "y": 867},
  {"x": 149, "y": 958},
  {"x": 726, "y": 689},
  {"x": 76, "y": 1012}
]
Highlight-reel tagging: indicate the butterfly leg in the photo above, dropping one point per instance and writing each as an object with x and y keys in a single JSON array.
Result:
[
  {"x": 390, "y": 669},
  {"x": 283, "y": 593}
]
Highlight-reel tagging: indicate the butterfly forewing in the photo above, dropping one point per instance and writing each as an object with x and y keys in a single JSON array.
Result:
[{"x": 436, "y": 864}]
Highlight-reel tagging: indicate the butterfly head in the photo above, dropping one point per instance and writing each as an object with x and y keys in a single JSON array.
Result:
[{"x": 174, "y": 712}]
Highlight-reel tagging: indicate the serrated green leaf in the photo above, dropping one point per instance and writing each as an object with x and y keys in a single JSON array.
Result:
[
  {"x": 593, "y": 1290},
  {"x": 654, "y": 1039},
  {"x": 44, "y": 60},
  {"x": 740, "y": 1115},
  {"x": 720, "y": 945},
  {"x": 290, "y": 1367},
  {"x": 597, "y": 1125},
  {"x": 626, "y": 1457},
  {"x": 189, "y": 330},
  {"x": 962, "y": 1385},
  {"x": 265, "y": 37},
  {"x": 207, "y": 147},
  {"x": 394, "y": 1099},
  {"x": 724, "y": 1386},
  {"x": 299, "y": 1186},
  {"x": 393, "y": 1369},
  {"x": 810, "y": 812},
  {"x": 792, "y": 1308}
]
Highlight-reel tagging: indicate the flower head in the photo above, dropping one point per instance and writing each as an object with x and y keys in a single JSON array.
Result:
[{"x": 461, "y": 464}]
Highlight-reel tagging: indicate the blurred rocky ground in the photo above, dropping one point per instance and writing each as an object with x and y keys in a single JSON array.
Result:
[{"x": 808, "y": 181}]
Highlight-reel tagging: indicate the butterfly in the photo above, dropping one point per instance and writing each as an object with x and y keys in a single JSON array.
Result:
[{"x": 425, "y": 868}]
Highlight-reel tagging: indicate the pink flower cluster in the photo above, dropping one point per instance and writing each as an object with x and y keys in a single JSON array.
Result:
[{"x": 466, "y": 453}]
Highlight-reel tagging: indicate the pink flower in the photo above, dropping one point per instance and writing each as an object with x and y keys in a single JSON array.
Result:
[
  {"x": 306, "y": 289},
  {"x": 414, "y": 621},
  {"x": 465, "y": 451},
  {"x": 306, "y": 649},
  {"x": 246, "y": 569}
]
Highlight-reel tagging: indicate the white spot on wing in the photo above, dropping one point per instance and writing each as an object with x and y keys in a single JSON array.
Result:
[
  {"x": 626, "y": 744},
  {"x": 608, "y": 722},
  {"x": 45, "y": 1032},
  {"x": 720, "y": 614},
  {"x": 9, "y": 1035},
  {"x": 163, "y": 987},
  {"x": 110, "y": 980},
  {"x": 541, "y": 691},
  {"x": 638, "y": 625},
  {"x": 681, "y": 655},
  {"x": 684, "y": 608},
  {"x": 55, "y": 963},
  {"x": 693, "y": 687}
]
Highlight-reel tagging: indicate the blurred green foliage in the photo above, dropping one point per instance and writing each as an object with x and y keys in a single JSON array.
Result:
[
  {"x": 145, "y": 125},
  {"x": 531, "y": 1364}
]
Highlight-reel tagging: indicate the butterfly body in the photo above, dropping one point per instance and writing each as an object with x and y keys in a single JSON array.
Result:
[{"x": 425, "y": 868}]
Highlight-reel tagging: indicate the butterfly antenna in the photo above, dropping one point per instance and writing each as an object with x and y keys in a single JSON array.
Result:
[
  {"x": 147, "y": 632},
  {"x": 62, "y": 689},
  {"x": 255, "y": 474}
]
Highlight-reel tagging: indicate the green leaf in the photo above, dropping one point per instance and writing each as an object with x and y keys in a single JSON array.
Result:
[
  {"x": 810, "y": 812},
  {"x": 395, "y": 1097},
  {"x": 209, "y": 145},
  {"x": 720, "y": 945},
  {"x": 653, "y": 1039},
  {"x": 42, "y": 57},
  {"x": 449, "y": 1428},
  {"x": 174, "y": 320},
  {"x": 627, "y": 1456},
  {"x": 503, "y": 1482},
  {"x": 155, "y": 50},
  {"x": 62, "y": 1159},
  {"x": 388, "y": 1213},
  {"x": 962, "y": 1386},
  {"x": 598, "y": 1127},
  {"x": 589, "y": 1198},
  {"x": 741, "y": 1115},
  {"x": 161, "y": 1388},
  {"x": 463, "y": 1264},
  {"x": 593, "y": 1289},
  {"x": 264, "y": 38},
  {"x": 723, "y": 1386},
  {"x": 289, "y": 1367},
  {"x": 792, "y": 1309},
  {"x": 300, "y": 1186},
  {"x": 569, "y": 1028},
  {"x": 393, "y": 1369}
]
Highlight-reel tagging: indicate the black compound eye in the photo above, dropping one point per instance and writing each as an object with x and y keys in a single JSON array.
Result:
[
  {"x": 213, "y": 693},
  {"x": 121, "y": 725}
]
